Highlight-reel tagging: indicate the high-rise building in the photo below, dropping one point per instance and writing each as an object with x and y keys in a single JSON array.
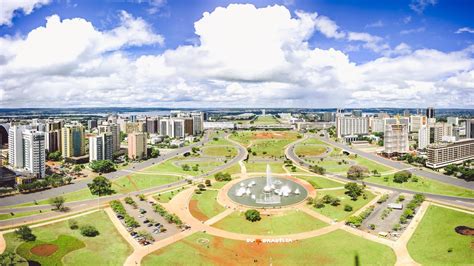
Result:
[
  {"x": 352, "y": 126},
  {"x": 453, "y": 120},
  {"x": 101, "y": 147},
  {"x": 443, "y": 154},
  {"x": 165, "y": 127},
  {"x": 430, "y": 112},
  {"x": 136, "y": 145},
  {"x": 114, "y": 130},
  {"x": 438, "y": 131},
  {"x": 91, "y": 124},
  {"x": 26, "y": 150},
  {"x": 133, "y": 118},
  {"x": 417, "y": 121},
  {"x": 152, "y": 125},
  {"x": 73, "y": 140},
  {"x": 53, "y": 135},
  {"x": 178, "y": 128},
  {"x": 423, "y": 137},
  {"x": 377, "y": 124},
  {"x": 395, "y": 137},
  {"x": 406, "y": 112},
  {"x": 34, "y": 153},
  {"x": 328, "y": 117},
  {"x": 469, "y": 128},
  {"x": 198, "y": 122}
]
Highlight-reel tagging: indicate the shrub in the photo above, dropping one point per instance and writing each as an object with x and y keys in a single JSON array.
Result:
[
  {"x": 252, "y": 215},
  {"x": 25, "y": 233},
  {"x": 348, "y": 208},
  {"x": 401, "y": 176},
  {"x": 222, "y": 176},
  {"x": 357, "y": 172},
  {"x": 102, "y": 166},
  {"x": 396, "y": 227},
  {"x": 208, "y": 182},
  {"x": 317, "y": 169},
  {"x": 73, "y": 225},
  {"x": 89, "y": 231},
  {"x": 318, "y": 203}
]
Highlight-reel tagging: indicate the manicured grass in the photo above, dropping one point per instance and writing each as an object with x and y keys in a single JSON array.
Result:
[
  {"x": 435, "y": 235},
  {"x": 337, "y": 212},
  {"x": 233, "y": 169},
  {"x": 224, "y": 151},
  {"x": 7, "y": 216},
  {"x": 332, "y": 166},
  {"x": 136, "y": 182},
  {"x": 165, "y": 197},
  {"x": 65, "y": 243},
  {"x": 175, "y": 166},
  {"x": 82, "y": 194},
  {"x": 288, "y": 223},
  {"x": 269, "y": 148},
  {"x": 320, "y": 182},
  {"x": 246, "y": 137},
  {"x": 218, "y": 184},
  {"x": 309, "y": 150},
  {"x": 207, "y": 203},
  {"x": 108, "y": 248},
  {"x": 261, "y": 167},
  {"x": 335, "y": 248},
  {"x": 268, "y": 119},
  {"x": 425, "y": 185},
  {"x": 371, "y": 164}
]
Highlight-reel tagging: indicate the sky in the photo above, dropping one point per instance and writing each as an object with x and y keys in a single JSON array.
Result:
[{"x": 202, "y": 53}]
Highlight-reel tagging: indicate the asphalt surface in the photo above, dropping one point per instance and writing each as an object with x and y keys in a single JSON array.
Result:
[
  {"x": 466, "y": 202},
  {"x": 86, "y": 204}
]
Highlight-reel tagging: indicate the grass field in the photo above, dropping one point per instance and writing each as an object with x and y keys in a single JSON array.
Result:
[
  {"x": 174, "y": 166},
  {"x": 136, "y": 182},
  {"x": 7, "y": 216},
  {"x": 309, "y": 150},
  {"x": 320, "y": 182},
  {"x": 269, "y": 148},
  {"x": 435, "y": 236},
  {"x": 108, "y": 248},
  {"x": 337, "y": 212},
  {"x": 332, "y": 165},
  {"x": 288, "y": 223},
  {"x": 335, "y": 248},
  {"x": 223, "y": 151},
  {"x": 166, "y": 196},
  {"x": 204, "y": 206},
  {"x": 266, "y": 120},
  {"x": 425, "y": 185},
  {"x": 261, "y": 167},
  {"x": 246, "y": 137}
]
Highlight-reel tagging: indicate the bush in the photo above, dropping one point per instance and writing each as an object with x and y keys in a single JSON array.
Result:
[
  {"x": 73, "y": 225},
  {"x": 348, "y": 208},
  {"x": 207, "y": 182},
  {"x": 317, "y": 169},
  {"x": 222, "y": 177},
  {"x": 401, "y": 176},
  {"x": 102, "y": 166},
  {"x": 252, "y": 215},
  {"x": 318, "y": 203},
  {"x": 396, "y": 227},
  {"x": 55, "y": 156},
  {"x": 89, "y": 231}
]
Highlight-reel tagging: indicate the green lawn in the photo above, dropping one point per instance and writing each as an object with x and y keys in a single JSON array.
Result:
[
  {"x": 335, "y": 248},
  {"x": 332, "y": 166},
  {"x": 337, "y": 212},
  {"x": 207, "y": 203},
  {"x": 7, "y": 216},
  {"x": 435, "y": 235},
  {"x": 108, "y": 248},
  {"x": 289, "y": 223},
  {"x": 82, "y": 194},
  {"x": 245, "y": 137},
  {"x": 276, "y": 167},
  {"x": 270, "y": 148},
  {"x": 309, "y": 150},
  {"x": 425, "y": 185},
  {"x": 175, "y": 166},
  {"x": 165, "y": 197},
  {"x": 320, "y": 182},
  {"x": 371, "y": 164},
  {"x": 136, "y": 182},
  {"x": 223, "y": 151},
  {"x": 233, "y": 169},
  {"x": 265, "y": 120}
]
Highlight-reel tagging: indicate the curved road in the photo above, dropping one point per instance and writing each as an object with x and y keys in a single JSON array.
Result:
[{"x": 466, "y": 202}]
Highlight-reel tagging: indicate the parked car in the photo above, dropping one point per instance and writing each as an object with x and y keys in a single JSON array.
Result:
[
  {"x": 120, "y": 216},
  {"x": 142, "y": 211},
  {"x": 146, "y": 221}
]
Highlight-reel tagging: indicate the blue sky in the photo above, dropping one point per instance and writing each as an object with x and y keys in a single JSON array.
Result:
[{"x": 442, "y": 26}]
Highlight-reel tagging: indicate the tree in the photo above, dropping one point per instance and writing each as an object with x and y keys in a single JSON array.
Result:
[
  {"x": 24, "y": 233},
  {"x": 357, "y": 172},
  {"x": 317, "y": 169},
  {"x": 252, "y": 215},
  {"x": 185, "y": 167},
  {"x": 335, "y": 202},
  {"x": 207, "y": 182},
  {"x": 89, "y": 231},
  {"x": 401, "y": 176},
  {"x": 222, "y": 177},
  {"x": 57, "y": 203},
  {"x": 195, "y": 149},
  {"x": 101, "y": 186},
  {"x": 327, "y": 199},
  {"x": 353, "y": 190},
  {"x": 155, "y": 153},
  {"x": 196, "y": 168},
  {"x": 451, "y": 169},
  {"x": 347, "y": 208},
  {"x": 77, "y": 168},
  {"x": 10, "y": 259},
  {"x": 55, "y": 156},
  {"x": 201, "y": 187},
  {"x": 318, "y": 203},
  {"x": 102, "y": 166},
  {"x": 73, "y": 225}
]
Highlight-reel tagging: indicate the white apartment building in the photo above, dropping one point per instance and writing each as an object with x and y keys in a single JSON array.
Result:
[
  {"x": 453, "y": 120},
  {"x": 101, "y": 147},
  {"x": 114, "y": 129},
  {"x": 198, "y": 120},
  {"x": 15, "y": 146},
  {"x": 395, "y": 136},
  {"x": 346, "y": 125},
  {"x": 34, "y": 152},
  {"x": 423, "y": 138},
  {"x": 443, "y": 154},
  {"x": 377, "y": 124}
]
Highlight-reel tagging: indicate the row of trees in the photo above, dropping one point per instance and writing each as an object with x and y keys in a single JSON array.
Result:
[
  {"x": 54, "y": 180},
  {"x": 462, "y": 171},
  {"x": 102, "y": 166}
]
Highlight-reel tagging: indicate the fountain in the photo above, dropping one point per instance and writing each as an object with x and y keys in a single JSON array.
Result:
[{"x": 268, "y": 191}]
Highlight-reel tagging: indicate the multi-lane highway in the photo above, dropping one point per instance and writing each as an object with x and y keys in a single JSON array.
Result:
[{"x": 466, "y": 202}]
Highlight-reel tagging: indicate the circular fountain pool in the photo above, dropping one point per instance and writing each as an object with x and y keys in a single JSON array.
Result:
[{"x": 267, "y": 192}]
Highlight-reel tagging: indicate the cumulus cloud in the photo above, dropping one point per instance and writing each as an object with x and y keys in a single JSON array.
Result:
[
  {"x": 9, "y": 7},
  {"x": 465, "y": 29},
  {"x": 376, "y": 24},
  {"x": 420, "y": 5},
  {"x": 329, "y": 28},
  {"x": 410, "y": 31},
  {"x": 262, "y": 60}
]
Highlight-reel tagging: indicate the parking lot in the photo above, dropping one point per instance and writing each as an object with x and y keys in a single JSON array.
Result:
[
  {"x": 385, "y": 225},
  {"x": 149, "y": 221}
]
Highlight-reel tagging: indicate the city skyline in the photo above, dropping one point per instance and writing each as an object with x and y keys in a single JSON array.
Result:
[{"x": 296, "y": 54}]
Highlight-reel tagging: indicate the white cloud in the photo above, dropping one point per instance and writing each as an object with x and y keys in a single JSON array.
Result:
[
  {"x": 419, "y": 5},
  {"x": 465, "y": 29},
  {"x": 376, "y": 24},
  {"x": 8, "y": 8},
  {"x": 406, "y": 19},
  {"x": 263, "y": 60},
  {"x": 328, "y": 28}
]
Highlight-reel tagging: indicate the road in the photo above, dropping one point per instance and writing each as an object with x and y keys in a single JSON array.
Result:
[
  {"x": 466, "y": 202},
  {"x": 86, "y": 204}
]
